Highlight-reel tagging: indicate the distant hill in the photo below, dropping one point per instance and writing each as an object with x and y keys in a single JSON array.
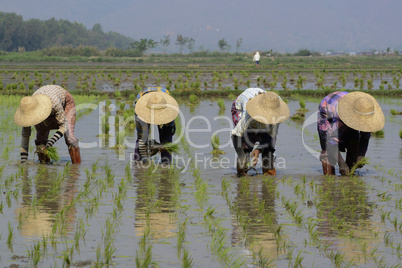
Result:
[{"x": 35, "y": 34}]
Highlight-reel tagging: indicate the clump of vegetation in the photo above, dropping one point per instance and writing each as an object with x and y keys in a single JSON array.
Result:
[
  {"x": 48, "y": 153},
  {"x": 215, "y": 142},
  {"x": 193, "y": 99},
  {"x": 379, "y": 133},
  {"x": 301, "y": 112},
  {"x": 362, "y": 162},
  {"x": 221, "y": 104},
  {"x": 171, "y": 147},
  {"x": 400, "y": 133},
  {"x": 395, "y": 112}
]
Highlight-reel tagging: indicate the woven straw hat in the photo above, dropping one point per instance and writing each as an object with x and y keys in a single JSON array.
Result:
[
  {"x": 361, "y": 112},
  {"x": 33, "y": 110},
  {"x": 157, "y": 108},
  {"x": 268, "y": 108}
]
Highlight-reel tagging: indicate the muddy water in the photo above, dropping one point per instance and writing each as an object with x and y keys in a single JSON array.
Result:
[{"x": 108, "y": 210}]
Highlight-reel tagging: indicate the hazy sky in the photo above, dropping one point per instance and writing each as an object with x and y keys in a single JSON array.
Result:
[{"x": 281, "y": 25}]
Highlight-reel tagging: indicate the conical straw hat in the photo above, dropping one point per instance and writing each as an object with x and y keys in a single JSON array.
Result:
[
  {"x": 33, "y": 110},
  {"x": 360, "y": 111},
  {"x": 268, "y": 108},
  {"x": 157, "y": 108}
]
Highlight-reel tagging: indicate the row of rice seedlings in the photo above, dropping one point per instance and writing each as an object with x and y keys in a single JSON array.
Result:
[
  {"x": 228, "y": 257},
  {"x": 194, "y": 80}
]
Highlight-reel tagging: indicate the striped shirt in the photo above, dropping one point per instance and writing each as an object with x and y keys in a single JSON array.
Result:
[
  {"x": 246, "y": 121},
  {"x": 57, "y": 96}
]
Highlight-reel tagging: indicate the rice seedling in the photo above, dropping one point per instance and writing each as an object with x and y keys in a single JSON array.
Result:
[
  {"x": 47, "y": 153},
  {"x": 363, "y": 161},
  {"x": 193, "y": 99},
  {"x": 215, "y": 142},
  {"x": 400, "y": 133},
  {"x": 395, "y": 112},
  {"x": 221, "y": 103},
  {"x": 379, "y": 133}
]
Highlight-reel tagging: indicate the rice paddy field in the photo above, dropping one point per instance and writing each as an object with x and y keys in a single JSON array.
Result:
[{"x": 109, "y": 211}]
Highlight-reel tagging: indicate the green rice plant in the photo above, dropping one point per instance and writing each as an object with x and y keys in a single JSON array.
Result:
[
  {"x": 302, "y": 103},
  {"x": 171, "y": 147},
  {"x": 50, "y": 152},
  {"x": 395, "y": 112},
  {"x": 379, "y": 133},
  {"x": 215, "y": 142},
  {"x": 400, "y": 133},
  {"x": 193, "y": 99},
  {"x": 363, "y": 161},
  {"x": 221, "y": 104}
]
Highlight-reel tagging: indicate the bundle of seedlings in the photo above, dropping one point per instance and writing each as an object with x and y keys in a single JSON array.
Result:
[
  {"x": 215, "y": 142},
  {"x": 47, "y": 154},
  {"x": 156, "y": 147},
  {"x": 358, "y": 164}
]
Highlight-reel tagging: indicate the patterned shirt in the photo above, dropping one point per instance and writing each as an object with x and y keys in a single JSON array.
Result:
[
  {"x": 57, "y": 96},
  {"x": 330, "y": 126},
  {"x": 246, "y": 121}
]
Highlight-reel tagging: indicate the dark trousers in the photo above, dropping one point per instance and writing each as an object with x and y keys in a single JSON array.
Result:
[
  {"x": 244, "y": 146},
  {"x": 142, "y": 143}
]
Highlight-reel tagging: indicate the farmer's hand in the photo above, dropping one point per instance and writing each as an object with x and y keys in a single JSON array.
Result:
[
  {"x": 254, "y": 155},
  {"x": 324, "y": 156}
]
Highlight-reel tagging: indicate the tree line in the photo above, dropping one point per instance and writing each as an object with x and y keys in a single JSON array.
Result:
[{"x": 34, "y": 34}]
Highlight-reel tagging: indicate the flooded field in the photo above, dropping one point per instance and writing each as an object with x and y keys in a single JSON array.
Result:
[
  {"x": 197, "y": 213},
  {"x": 181, "y": 78}
]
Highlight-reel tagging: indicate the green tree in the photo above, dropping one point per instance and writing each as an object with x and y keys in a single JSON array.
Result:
[
  {"x": 181, "y": 41},
  {"x": 165, "y": 42},
  {"x": 223, "y": 45},
  {"x": 97, "y": 28},
  {"x": 143, "y": 45},
  {"x": 303, "y": 52},
  {"x": 190, "y": 44},
  {"x": 238, "y": 44}
]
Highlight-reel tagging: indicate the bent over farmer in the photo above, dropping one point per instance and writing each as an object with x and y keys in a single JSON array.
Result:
[
  {"x": 345, "y": 122},
  {"x": 154, "y": 106},
  {"x": 50, "y": 107},
  {"x": 256, "y": 114}
]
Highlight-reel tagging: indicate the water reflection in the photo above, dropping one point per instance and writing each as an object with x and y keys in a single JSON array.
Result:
[
  {"x": 44, "y": 194},
  {"x": 255, "y": 217},
  {"x": 345, "y": 211},
  {"x": 155, "y": 206}
]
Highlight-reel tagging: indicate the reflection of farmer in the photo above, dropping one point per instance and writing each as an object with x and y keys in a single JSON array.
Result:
[
  {"x": 344, "y": 123},
  {"x": 154, "y": 106},
  {"x": 256, "y": 115},
  {"x": 50, "y": 107},
  {"x": 256, "y": 59}
]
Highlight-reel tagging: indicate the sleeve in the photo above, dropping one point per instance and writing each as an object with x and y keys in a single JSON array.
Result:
[
  {"x": 324, "y": 128},
  {"x": 25, "y": 134},
  {"x": 243, "y": 124},
  {"x": 61, "y": 118}
]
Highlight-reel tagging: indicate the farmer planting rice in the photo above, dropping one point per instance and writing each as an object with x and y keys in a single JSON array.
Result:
[
  {"x": 345, "y": 121},
  {"x": 50, "y": 107},
  {"x": 257, "y": 114},
  {"x": 154, "y": 106}
]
